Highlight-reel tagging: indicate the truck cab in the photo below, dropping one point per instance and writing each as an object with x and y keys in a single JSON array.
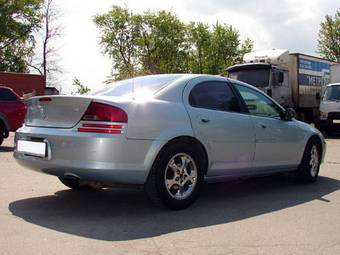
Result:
[
  {"x": 268, "y": 71},
  {"x": 330, "y": 109},
  {"x": 294, "y": 80}
]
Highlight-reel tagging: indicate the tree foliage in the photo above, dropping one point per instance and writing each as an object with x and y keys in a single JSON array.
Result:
[
  {"x": 81, "y": 88},
  {"x": 18, "y": 20},
  {"x": 329, "y": 37},
  {"x": 158, "y": 42}
]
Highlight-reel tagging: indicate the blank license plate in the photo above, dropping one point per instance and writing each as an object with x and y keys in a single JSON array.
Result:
[
  {"x": 336, "y": 121},
  {"x": 32, "y": 148}
]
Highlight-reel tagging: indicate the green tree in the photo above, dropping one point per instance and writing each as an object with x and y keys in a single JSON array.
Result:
[
  {"x": 200, "y": 41},
  {"x": 18, "y": 20},
  {"x": 119, "y": 32},
  {"x": 81, "y": 89},
  {"x": 162, "y": 43},
  {"x": 329, "y": 37},
  {"x": 213, "y": 51},
  {"x": 158, "y": 42}
]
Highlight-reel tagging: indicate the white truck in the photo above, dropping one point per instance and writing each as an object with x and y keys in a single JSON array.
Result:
[
  {"x": 293, "y": 79},
  {"x": 330, "y": 103}
]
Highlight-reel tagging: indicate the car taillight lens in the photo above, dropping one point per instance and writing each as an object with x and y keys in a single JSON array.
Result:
[
  {"x": 103, "y": 112},
  {"x": 99, "y": 112},
  {"x": 45, "y": 99}
]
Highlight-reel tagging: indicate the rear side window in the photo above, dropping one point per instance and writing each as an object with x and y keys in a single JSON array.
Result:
[
  {"x": 7, "y": 95},
  {"x": 214, "y": 96}
]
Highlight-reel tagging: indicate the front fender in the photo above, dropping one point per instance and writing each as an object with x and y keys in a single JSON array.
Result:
[{"x": 309, "y": 132}]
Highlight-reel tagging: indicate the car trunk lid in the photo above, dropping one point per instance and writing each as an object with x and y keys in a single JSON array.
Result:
[{"x": 56, "y": 111}]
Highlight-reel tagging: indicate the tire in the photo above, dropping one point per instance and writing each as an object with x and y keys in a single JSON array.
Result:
[
  {"x": 329, "y": 132},
  {"x": 1, "y": 135},
  {"x": 176, "y": 176},
  {"x": 72, "y": 183},
  {"x": 308, "y": 170}
]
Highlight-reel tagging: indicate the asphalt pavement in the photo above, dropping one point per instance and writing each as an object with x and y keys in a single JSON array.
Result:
[{"x": 269, "y": 215}]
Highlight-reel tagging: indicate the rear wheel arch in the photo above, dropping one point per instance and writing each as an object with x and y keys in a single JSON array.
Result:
[
  {"x": 162, "y": 188},
  {"x": 190, "y": 141}
]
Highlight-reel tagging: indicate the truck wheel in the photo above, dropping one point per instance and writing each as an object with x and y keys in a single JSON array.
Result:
[
  {"x": 308, "y": 170},
  {"x": 176, "y": 176},
  {"x": 72, "y": 183}
]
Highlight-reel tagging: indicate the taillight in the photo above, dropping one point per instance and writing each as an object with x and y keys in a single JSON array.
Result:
[
  {"x": 45, "y": 99},
  {"x": 99, "y": 112},
  {"x": 104, "y": 112}
]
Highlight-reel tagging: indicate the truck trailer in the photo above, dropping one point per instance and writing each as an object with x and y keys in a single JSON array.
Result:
[
  {"x": 335, "y": 73},
  {"x": 293, "y": 79}
]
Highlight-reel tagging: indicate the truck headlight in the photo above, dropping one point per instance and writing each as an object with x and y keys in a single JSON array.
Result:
[{"x": 323, "y": 115}]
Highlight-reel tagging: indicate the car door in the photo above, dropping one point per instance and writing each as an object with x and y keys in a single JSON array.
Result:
[
  {"x": 276, "y": 140},
  {"x": 217, "y": 119}
]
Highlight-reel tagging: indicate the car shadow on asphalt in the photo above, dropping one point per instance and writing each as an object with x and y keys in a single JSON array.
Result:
[
  {"x": 126, "y": 214},
  {"x": 6, "y": 149}
]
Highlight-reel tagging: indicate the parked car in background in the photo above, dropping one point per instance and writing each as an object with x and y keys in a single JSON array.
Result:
[
  {"x": 12, "y": 112},
  {"x": 330, "y": 109},
  {"x": 169, "y": 133}
]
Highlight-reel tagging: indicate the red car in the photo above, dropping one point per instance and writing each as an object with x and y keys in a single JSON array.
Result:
[{"x": 12, "y": 112}]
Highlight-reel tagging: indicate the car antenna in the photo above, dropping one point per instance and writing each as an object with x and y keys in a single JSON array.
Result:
[{"x": 133, "y": 82}]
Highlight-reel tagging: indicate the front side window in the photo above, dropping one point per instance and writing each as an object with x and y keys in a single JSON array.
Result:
[
  {"x": 7, "y": 95},
  {"x": 214, "y": 96},
  {"x": 258, "y": 104}
]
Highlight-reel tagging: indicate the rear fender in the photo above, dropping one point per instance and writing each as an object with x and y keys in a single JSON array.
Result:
[{"x": 167, "y": 136}]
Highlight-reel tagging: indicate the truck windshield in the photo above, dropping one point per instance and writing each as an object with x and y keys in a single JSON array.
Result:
[
  {"x": 255, "y": 77},
  {"x": 332, "y": 93}
]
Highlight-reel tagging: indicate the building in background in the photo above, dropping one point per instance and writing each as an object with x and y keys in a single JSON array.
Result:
[{"x": 26, "y": 85}]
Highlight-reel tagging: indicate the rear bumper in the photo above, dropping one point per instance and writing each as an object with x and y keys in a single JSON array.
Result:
[{"x": 88, "y": 156}]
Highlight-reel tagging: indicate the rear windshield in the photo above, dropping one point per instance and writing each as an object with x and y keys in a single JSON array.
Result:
[{"x": 148, "y": 84}]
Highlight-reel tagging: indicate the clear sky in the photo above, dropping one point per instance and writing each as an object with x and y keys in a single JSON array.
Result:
[{"x": 289, "y": 24}]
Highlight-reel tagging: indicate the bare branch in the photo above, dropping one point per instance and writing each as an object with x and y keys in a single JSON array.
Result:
[{"x": 35, "y": 68}]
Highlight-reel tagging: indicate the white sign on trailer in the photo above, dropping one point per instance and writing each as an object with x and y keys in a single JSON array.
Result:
[{"x": 335, "y": 73}]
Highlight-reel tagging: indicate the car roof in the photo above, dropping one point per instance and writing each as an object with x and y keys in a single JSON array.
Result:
[{"x": 333, "y": 84}]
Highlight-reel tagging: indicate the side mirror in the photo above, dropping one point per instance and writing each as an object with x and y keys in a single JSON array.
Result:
[
  {"x": 318, "y": 96},
  {"x": 289, "y": 114},
  {"x": 281, "y": 77}
]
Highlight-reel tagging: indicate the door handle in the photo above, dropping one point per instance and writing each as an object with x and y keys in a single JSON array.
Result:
[
  {"x": 263, "y": 125},
  {"x": 205, "y": 120}
]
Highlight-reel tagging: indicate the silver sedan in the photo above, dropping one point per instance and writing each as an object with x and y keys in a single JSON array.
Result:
[{"x": 168, "y": 132}]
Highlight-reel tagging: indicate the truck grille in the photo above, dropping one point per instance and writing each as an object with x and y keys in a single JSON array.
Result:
[{"x": 334, "y": 115}]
